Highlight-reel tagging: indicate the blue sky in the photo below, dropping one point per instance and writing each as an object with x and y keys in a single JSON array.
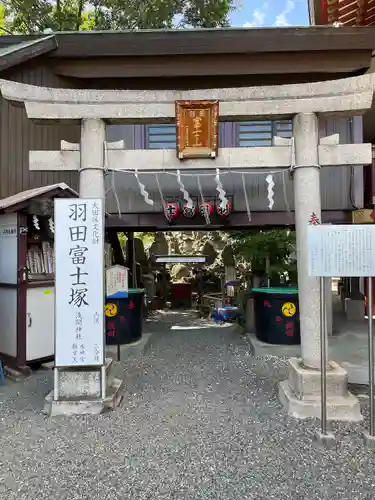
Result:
[{"x": 259, "y": 13}]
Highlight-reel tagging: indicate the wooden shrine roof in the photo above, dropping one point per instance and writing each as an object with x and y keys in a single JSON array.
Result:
[
  {"x": 18, "y": 201},
  {"x": 94, "y": 44}
]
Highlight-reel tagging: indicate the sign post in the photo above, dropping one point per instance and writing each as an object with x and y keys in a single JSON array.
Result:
[
  {"x": 371, "y": 436},
  {"x": 343, "y": 251},
  {"x": 323, "y": 356},
  {"x": 79, "y": 283},
  {"x": 116, "y": 287}
]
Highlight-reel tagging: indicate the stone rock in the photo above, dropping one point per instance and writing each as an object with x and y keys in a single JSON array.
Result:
[
  {"x": 219, "y": 241},
  {"x": 175, "y": 247},
  {"x": 188, "y": 245},
  {"x": 210, "y": 252},
  {"x": 228, "y": 256},
  {"x": 139, "y": 251},
  {"x": 159, "y": 246},
  {"x": 179, "y": 272}
]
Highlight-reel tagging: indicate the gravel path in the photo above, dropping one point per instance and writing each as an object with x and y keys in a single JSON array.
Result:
[{"x": 200, "y": 420}]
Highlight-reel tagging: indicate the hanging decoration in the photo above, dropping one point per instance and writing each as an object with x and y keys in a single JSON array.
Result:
[
  {"x": 270, "y": 191},
  {"x": 161, "y": 197},
  {"x": 142, "y": 189},
  {"x": 51, "y": 225},
  {"x": 171, "y": 210},
  {"x": 246, "y": 197},
  {"x": 189, "y": 212},
  {"x": 187, "y": 199},
  {"x": 206, "y": 209},
  {"x": 223, "y": 211},
  {"x": 36, "y": 222},
  {"x": 219, "y": 188},
  {"x": 203, "y": 211}
]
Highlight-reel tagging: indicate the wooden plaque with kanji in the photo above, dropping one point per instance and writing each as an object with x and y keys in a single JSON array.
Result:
[{"x": 197, "y": 129}]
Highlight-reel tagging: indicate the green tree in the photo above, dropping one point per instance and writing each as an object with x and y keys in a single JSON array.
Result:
[
  {"x": 3, "y": 29},
  {"x": 273, "y": 249},
  {"x": 146, "y": 237},
  {"x": 35, "y": 16}
]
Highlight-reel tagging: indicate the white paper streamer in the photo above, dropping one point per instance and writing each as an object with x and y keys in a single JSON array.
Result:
[
  {"x": 219, "y": 188},
  {"x": 36, "y": 222},
  {"x": 51, "y": 225},
  {"x": 166, "y": 215},
  {"x": 270, "y": 191},
  {"x": 143, "y": 191},
  {"x": 206, "y": 215},
  {"x": 246, "y": 198},
  {"x": 187, "y": 199}
]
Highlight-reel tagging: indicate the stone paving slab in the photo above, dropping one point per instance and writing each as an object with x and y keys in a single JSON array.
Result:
[
  {"x": 348, "y": 349},
  {"x": 348, "y": 345},
  {"x": 200, "y": 420}
]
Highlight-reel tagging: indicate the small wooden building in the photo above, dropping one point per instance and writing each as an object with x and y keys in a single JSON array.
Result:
[{"x": 27, "y": 299}]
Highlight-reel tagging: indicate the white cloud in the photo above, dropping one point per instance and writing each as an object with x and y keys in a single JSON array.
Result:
[
  {"x": 258, "y": 17},
  {"x": 282, "y": 18}
]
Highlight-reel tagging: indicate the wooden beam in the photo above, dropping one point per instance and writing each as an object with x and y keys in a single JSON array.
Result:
[
  {"x": 210, "y": 41},
  {"x": 230, "y": 64},
  {"x": 237, "y": 220}
]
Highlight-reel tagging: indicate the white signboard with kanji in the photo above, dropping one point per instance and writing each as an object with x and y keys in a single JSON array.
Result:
[
  {"x": 341, "y": 250},
  {"x": 116, "y": 279},
  {"x": 79, "y": 282}
]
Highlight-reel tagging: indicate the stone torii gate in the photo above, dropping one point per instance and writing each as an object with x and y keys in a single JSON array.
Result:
[{"x": 305, "y": 154}]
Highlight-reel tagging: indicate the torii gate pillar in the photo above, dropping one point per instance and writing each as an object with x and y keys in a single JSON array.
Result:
[
  {"x": 91, "y": 174},
  {"x": 300, "y": 394},
  {"x": 307, "y": 202}
]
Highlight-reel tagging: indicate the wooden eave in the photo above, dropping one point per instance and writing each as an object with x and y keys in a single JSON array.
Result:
[
  {"x": 20, "y": 201},
  {"x": 254, "y": 56},
  {"x": 12, "y": 54},
  {"x": 211, "y": 41},
  {"x": 85, "y": 44}
]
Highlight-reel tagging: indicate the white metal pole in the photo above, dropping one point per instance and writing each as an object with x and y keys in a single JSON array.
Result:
[
  {"x": 56, "y": 383},
  {"x": 370, "y": 357},
  {"x": 323, "y": 356}
]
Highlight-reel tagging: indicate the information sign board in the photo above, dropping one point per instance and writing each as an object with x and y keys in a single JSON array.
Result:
[
  {"x": 341, "y": 250},
  {"x": 79, "y": 282}
]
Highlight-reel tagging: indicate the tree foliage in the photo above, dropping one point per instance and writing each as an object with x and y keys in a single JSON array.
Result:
[
  {"x": 147, "y": 238},
  {"x": 35, "y": 16},
  {"x": 3, "y": 30},
  {"x": 277, "y": 246}
]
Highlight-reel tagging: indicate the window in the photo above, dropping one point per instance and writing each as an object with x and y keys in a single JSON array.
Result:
[
  {"x": 248, "y": 134},
  {"x": 161, "y": 136},
  {"x": 259, "y": 133}
]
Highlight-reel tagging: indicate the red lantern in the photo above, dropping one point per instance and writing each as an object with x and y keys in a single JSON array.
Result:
[
  {"x": 171, "y": 210},
  {"x": 206, "y": 208},
  {"x": 223, "y": 210},
  {"x": 189, "y": 212}
]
